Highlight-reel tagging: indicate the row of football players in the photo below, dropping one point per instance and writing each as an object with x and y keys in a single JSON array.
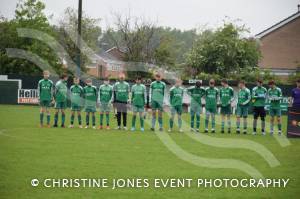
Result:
[{"x": 119, "y": 96}]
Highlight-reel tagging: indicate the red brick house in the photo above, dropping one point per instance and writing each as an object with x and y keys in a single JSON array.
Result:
[
  {"x": 109, "y": 63},
  {"x": 280, "y": 46}
]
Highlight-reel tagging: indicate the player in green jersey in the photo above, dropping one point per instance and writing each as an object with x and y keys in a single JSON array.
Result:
[
  {"x": 138, "y": 101},
  {"x": 226, "y": 99},
  {"x": 156, "y": 100},
  {"x": 45, "y": 88},
  {"x": 274, "y": 97},
  {"x": 121, "y": 91},
  {"x": 90, "y": 100},
  {"x": 105, "y": 99},
  {"x": 60, "y": 96},
  {"x": 76, "y": 94},
  {"x": 211, "y": 99},
  {"x": 196, "y": 92},
  {"x": 176, "y": 98},
  {"x": 244, "y": 98},
  {"x": 259, "y": 94}
]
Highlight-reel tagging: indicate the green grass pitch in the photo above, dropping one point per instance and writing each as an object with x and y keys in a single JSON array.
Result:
[{"x": 28, "y": 152}]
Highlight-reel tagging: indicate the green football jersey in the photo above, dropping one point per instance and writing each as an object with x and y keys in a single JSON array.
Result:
[
  {"x": 90, "y": 96},
  {"x": 211, "y": 97},
  {"x": 259, "y": 94},
  {"x": 274, "y": 97},
  {"x": 61, "y": 91},
  {"x": 176, "y": 95},
  {"x": 121, "y": 91},
  {"x": 244, "y": 96},
  {"x": 157, "y": 91},
  {"x": 196, "y": 94},
  {"x": 139, "y": 95},
  {"x": 76, "y": 92},
  {"x": 45, "y": 88},
  {"x": 105, "y": 94},
  {"x": 226, "y": 96}
]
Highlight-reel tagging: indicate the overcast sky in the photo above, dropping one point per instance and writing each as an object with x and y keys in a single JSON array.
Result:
[{"x": 183, "y": 14}]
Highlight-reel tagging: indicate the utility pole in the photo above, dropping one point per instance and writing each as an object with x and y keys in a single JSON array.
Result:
[{"x": 78, "y": 71}]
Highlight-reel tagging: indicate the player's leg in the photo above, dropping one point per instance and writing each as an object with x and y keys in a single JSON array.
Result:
[
  {"x": 207, "y": 115},
  {"x": 160, "y": 119},
  {"x": 192, "y": 114},
  {"x": 107, "y": 120},
  {"x": 213, "y": 121},
  {"x": 198, "y": 112},
  {"x": 272, "y": 118},
  {"x": 153, "y": 118},
  {"x": 245, "y": 124},
  {"x": 179, "y": 113},
  {"x": 229, "y": 123},
  {"x": 48, "y": 116},
  {"x": 94, "y": 119},
  {"x": 63, "y": 117},
  {"x": 72, "y": 118},
  {"x": 255, "y": 117},
  {"x": 238, "y": 119},
  {"x": 263, "y": 119},
  {"x": 141, "y": 114},
  {"x": 42, "y": 111},
  {"x": 87, "y": 119},
  {"x": 118, "y": 116},
  {"x": 79, "y": 118},
  {"x": 56, "y": 114},
  {"x": 101, "y": 119},
  {"x": 171, "y": 120},
  {"x": 124, "y": 115},
  {"x": 222, "y": 122},
  {"x": 279, "y": 121},
  {"x": 133, "y": 120}
]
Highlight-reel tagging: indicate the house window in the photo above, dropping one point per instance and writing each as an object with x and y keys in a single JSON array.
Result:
[{"x": 115, "y": 67}]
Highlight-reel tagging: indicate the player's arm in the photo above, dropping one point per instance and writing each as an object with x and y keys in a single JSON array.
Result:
[
  {"x": 111, "y": 95},
  {"x": 248, "y": 97},
  {"x": 114, "y": 92},
  {"x": 145, "y": 95},
  {"x": 254, "y": 95},
  {"x": 150, "y": 93},
  {"x": 99, "y": 95}
]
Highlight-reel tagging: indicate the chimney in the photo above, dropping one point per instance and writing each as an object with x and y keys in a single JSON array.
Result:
[{"x": 298, "y": 7}]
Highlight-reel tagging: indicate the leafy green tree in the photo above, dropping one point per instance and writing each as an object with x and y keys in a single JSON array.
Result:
[
  {"x": 223, "y": 51},
  {"x": 90, "y": 33},
  {"x": 28, "y": 14}
]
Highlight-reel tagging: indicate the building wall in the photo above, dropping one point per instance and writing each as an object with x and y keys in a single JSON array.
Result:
[{"x": 281, "y": 48}]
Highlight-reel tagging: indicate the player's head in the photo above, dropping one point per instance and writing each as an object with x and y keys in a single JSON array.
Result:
[
  {"x": 271, "y": 83},
  {"x": 88, "y": 82},
  {"x": 259, "y": 82},
  {"x": 198, "y": 84},
  {"x": 106, "y": 81},
  {"x": 178, "y": 82},
  {"x": 64, "y": 77},
  {"x": 46, "y": 74},
  {"x": 224, "y": 82},
  {"x": 138, "y": 79},
  {"x": 76, "y": 80},
  {"x": 242, "y": 84},
  {"x": 212, "y": 82},
  {"x": 298, "y": 83},
  {"x": 121, "y": 76},
  {"x": 157, "y": 76}
]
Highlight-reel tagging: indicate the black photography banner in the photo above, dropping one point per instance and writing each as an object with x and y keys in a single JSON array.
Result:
[{"x": 293, "y": 128}]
